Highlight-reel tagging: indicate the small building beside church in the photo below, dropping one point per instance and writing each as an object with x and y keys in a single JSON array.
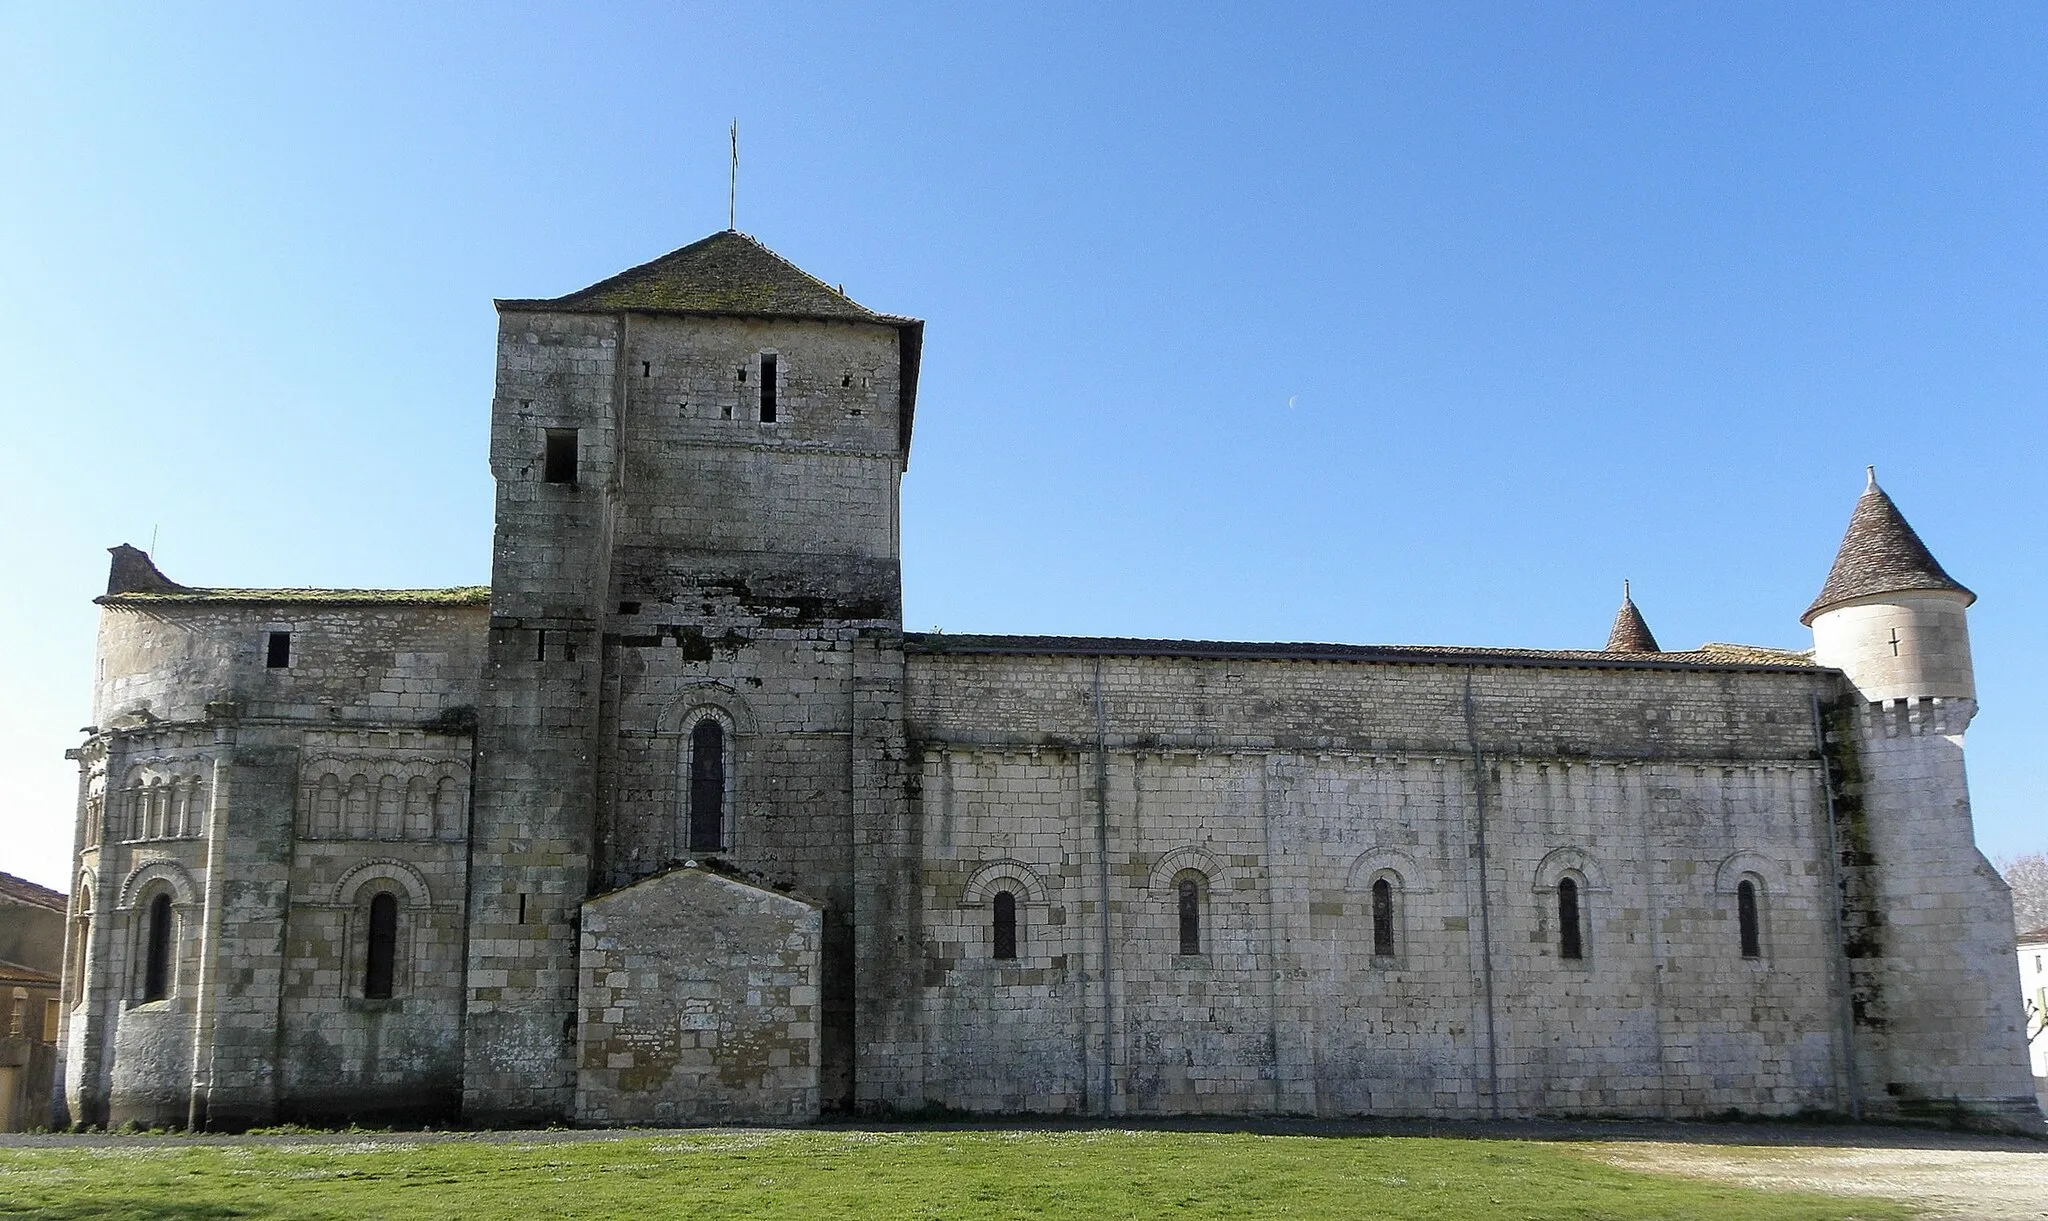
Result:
[{"x": 31, "y": 964}]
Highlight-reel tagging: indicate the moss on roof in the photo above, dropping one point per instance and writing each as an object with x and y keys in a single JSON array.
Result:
[
  {"x": 726, "y": 273},
  {"x": 1707, "y": 656},
  {"x": 460, "y": 595}
]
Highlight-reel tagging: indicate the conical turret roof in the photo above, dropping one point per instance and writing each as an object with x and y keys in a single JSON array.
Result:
[
  {"x": 726, "y": 273},
  {"x": 1630, "y": 633},
  {"x": 1881, "y": 554}
]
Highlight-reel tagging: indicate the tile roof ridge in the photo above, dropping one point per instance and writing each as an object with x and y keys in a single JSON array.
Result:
[{"x": 21, "y": 888}]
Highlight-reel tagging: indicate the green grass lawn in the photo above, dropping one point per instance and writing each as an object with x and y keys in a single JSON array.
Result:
[{"x": 1067, "y": 1176}]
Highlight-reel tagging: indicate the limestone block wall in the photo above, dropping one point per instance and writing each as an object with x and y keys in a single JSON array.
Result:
[
  {"x": 538, "y": 715},
  {"x": 1287, "y": 788},
  {"x": 349, "y": 1056},
  {"x": 1941, "y": 1021},
  {"x": 700, "y": 468},
  {"x": 168, "y": 658},
  {"x": 213, "y": 774},
  {"x": 699, "y": 1003}
]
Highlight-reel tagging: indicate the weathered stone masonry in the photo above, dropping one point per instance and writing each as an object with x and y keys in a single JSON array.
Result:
[{"x": 674, "y": 823}]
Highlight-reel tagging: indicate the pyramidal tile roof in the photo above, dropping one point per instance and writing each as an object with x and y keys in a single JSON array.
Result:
[
  {"x": 1630, "y": 634},
  {"x": 726, "y": 273},
  {"x": 1881, "y": 554}
]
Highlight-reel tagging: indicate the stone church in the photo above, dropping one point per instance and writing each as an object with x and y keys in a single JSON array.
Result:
[{"x": 674, "y": 823}]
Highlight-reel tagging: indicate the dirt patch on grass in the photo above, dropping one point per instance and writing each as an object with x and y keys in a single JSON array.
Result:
[{"x": 1986, "y": 1184}]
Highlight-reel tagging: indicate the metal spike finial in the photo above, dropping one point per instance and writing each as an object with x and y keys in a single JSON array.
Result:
[
  {"x": 1624, "y": 590},
  {"x": 732, "y": 187}
]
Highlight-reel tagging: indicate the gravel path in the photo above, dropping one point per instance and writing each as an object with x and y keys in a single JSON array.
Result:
[{"x": 1991, "y": 1184}]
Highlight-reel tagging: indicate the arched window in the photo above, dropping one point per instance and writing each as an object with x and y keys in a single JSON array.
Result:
[
  {"x": 448, "y": 822},
  {"x": 1745, "y": 917},
  {"x": 1005, "y": 908},
  {"x": 1570, "y": 944},
  {"x": 156, "y": 968},
  {"x": 707, "y": 786},
  {"x": 1383, "y": 919},
  {"x": 327, "y": 807},
  {"x": 358, "y": 814},
  {"x": 1188, "y": 895},
  {"x": 390, "y": 808},
  {"x": 381, "y": 954},
  {"x": 419, "y": 808}
]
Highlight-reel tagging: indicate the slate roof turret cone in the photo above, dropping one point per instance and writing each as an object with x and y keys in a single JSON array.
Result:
[
  {"x": 1630, "y": 633},
  {"x": 1880, "y": 554}
]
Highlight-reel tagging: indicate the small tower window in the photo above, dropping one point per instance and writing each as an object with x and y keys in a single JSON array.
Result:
[
  {"x": 1383, "y": 919},
  {"x": 1188, "y": 895},
  {"x": 156, "y": 972},
  {"x": 1570, "y": 944},
  {"x": 768, "y": 380},
  {"x": 381, "y": 956},
  {"x": 277, "y": 650},
  {"x": 1745, "y": 918},
  {"x": 559, "y": 460},
  {"x": 707, "y": 786},
  {"x": 1005, "y": 924}
]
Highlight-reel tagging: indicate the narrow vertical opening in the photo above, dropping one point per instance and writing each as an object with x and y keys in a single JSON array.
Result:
[
  {"x": 381, "y": 954},
  {"x": 81, "y": 932},
  {"x": 522, "y": 907},
  {"x": 1570, "y": 944},
  {"x": 558, "y": 463},
  {"x": 1383, "y": 919},
  {"x": 707, "y": 786},
  {"x": 156, "y": 975},
  {"x": 277, "y": 650},
  {"x": 768, "y": 385},
  {"x": 1005, "y": 924},
  {"x": 1745, "y": 917},
  {"x": 1189, "y": 894}
]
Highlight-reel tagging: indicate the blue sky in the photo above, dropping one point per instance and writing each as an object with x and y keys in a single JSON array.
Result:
[{"x": 1400, "y": 324}]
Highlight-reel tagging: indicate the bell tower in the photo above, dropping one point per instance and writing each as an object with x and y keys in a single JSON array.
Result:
[{"x": 696, "y": 635}]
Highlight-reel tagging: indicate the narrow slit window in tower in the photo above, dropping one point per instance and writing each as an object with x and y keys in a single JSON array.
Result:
[
  {"x": 277, "y": 651},
  {"x": 1189, "y": 894},
  {"x": 1383, "y": 919},
  {"x": 156, "y": 974},
  {"x": 768, "y": 387},
  {"x": 1006, "y": 924},
  {"x": 1745, "y": 918},
  {"x": 707, "y": 786},
  {"x": 381, "y": 954},
  {"x": 559, "y": 460},
  {"x": 1569, "y": 942}
]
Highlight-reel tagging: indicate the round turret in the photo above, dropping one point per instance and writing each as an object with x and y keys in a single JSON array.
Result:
[{"x": 1889, "y": 616}]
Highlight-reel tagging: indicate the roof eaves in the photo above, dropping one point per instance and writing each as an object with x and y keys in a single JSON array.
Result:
[
  {"x": 461, "y": 595},
  {"x": 942, "y": 644}
]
